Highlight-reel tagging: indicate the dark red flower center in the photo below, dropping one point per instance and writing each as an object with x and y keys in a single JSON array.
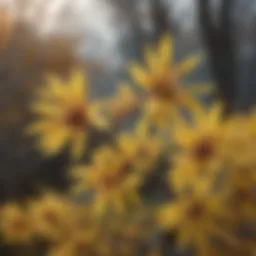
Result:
[
  {"x": 195, "y": 211},
  {"x": 203, "y": 149},
  {"x": 76, "y": 117},
  {"x": 164, "y": 90}
]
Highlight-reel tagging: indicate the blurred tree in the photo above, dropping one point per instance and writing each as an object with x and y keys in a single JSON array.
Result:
[
  {"x": 160, "y": 15},
  {"x": 219, "y": 43},
  {"x": 57, "y": 54}
]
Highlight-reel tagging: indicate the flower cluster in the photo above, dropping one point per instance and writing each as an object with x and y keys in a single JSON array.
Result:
[{"x": 210, "y": 208}]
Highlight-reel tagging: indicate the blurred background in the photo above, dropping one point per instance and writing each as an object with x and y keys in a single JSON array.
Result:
[{"x": 38, "y": 36}]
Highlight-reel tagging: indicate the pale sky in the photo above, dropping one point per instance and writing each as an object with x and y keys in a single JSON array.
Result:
[
  {"x": 184, "y": 11},
  {"x": 96, "y": 20},
  {"x": 90, "y": 15}
]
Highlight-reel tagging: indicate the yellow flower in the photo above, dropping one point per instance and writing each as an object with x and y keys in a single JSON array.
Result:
[
  {"x": 243, "y": 200},
  {"x": 242, "y": 176},
  {"x": 240, "y": 140},
  {"x": 239, "y": 149},
  {"x": 200, "y": 148},
  {"x": 200, "y": 143},
  {"x": 123, "y": 103},
  {"x": 84, "y": 236},
  {"x": 16, "y": 225},
  {"x": 238, "y": 137},
  {"x": 162, "y": 80},
  {"x": 197, "y": 217},
  {"x": 182, "y": 176},
  {"x": 65, "y": 115},
  {"x": 112, "y": 178},
  {"x": 240, "y": 187},
  {"x": 141, "y": 148},
  {"x": 52, "y": 216}
]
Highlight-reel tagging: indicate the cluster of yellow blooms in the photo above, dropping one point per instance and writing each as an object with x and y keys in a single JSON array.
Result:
[
  {"x": 72, "y": 229},
  {"x": 211, "y": 173}
]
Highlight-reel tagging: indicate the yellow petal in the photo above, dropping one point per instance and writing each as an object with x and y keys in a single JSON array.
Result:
[
  {"x": 46, "y": 109},
  {"x": 125, "y": 91},
  {"x": 150, "y": 58},
  {"x": 118, "y": 203},
  {"x": 56, "y": 88},
  {"x": 53, "y": 142},
  {"x": 99, "y": 205},
  {"x": 142, "y": 128},
  {"x": 205, "y": 117},
  {"x": 215, "y": 115},
  {"x": 178, "y": 177},
  {"x": 78, "y": 146},
  {"x": 126, "y": 144},
  {"x": 41, "y": 127},
  {"x": 165, "y": 51},
  {"x": 195, "y": 108},
  {"x": 78, "y": 84},
  {"x": 132, "y": 182},
  {"x": 187, "y": 65},
  {"x": 183, "y": 136},
  {"x": 158, "y": 112},
  {"x": 169, "y": 216},
  {"x": 96, "y": 118},
  {"x": 140, "y": 75}
]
